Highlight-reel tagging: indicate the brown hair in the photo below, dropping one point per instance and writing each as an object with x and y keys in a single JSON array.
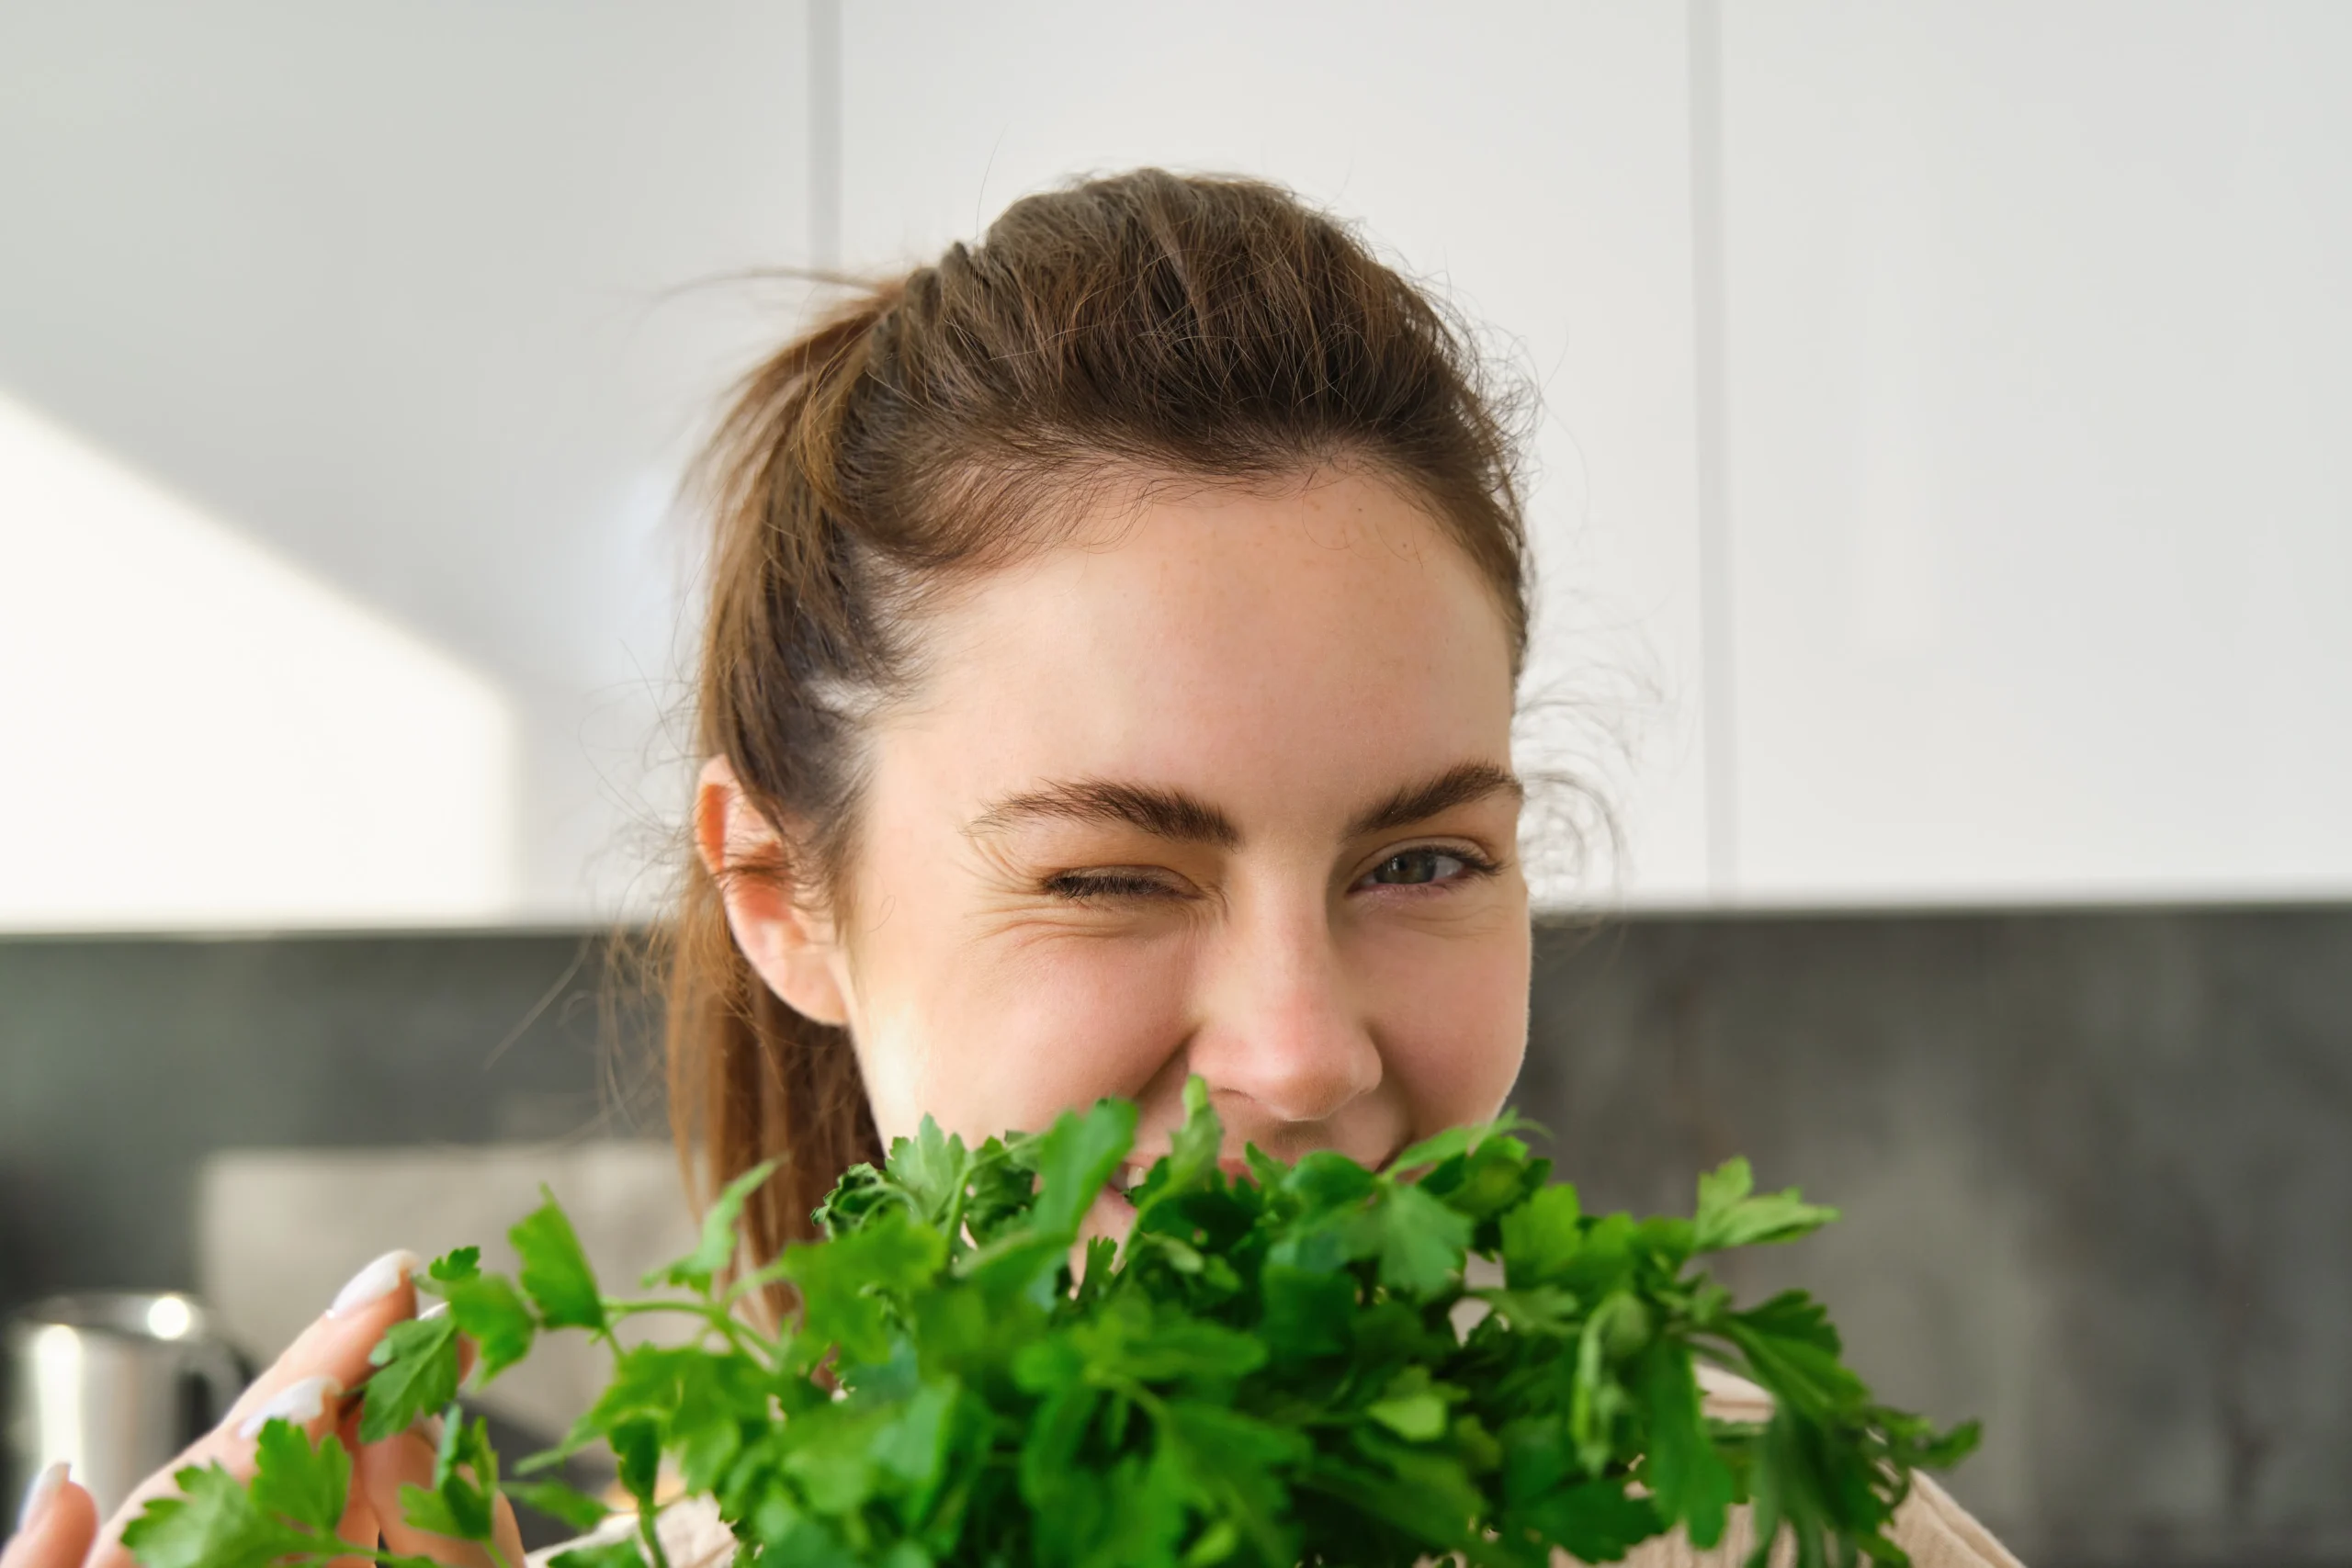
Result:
[{"x": 1146, "y": 324}]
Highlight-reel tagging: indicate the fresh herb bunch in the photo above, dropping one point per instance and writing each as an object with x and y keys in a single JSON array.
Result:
[{"x": 1267, "y": 1371}]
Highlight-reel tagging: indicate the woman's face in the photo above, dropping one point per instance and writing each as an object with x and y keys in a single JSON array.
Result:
[{"x": 1222, "y": 788}]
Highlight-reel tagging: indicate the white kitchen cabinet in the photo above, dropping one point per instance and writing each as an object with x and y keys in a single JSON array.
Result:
[
  {"x": 1532, "y": 160},
  {"x": 1950, "y": 428},
  {"x": 348, "y": 356},
  {"x": 2038, "y": 370}
]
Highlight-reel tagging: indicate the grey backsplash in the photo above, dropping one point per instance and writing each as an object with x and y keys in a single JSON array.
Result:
[{"x": 2095, "y": 1167}]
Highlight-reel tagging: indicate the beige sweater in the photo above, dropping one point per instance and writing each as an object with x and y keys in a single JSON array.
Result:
[{"x": 1934, "y": 1530}]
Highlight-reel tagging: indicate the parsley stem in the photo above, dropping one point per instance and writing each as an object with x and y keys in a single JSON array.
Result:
[
  {"x": 651, "y": 1537},
  {"x": 738, "y": 1336},
  {"x": 719, "y": 1315}
]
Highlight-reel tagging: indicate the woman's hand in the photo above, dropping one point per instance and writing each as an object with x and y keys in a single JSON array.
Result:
[{"x": 60, "y": 1526}]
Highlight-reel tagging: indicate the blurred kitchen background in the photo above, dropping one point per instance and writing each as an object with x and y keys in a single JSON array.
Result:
[{"x": 1943, "y": 493}]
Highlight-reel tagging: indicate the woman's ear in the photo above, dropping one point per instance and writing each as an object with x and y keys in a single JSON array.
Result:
[{"x": 790, "y": 943}]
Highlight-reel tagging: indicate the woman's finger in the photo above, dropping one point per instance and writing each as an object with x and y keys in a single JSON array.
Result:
[
  {"x": 337, "y": 1343},
  {"x": 359, "y": 1524},
  {"x": 358, "y": 1527},
  {"x": 508, "y": 1533},
  {"x": 56, "y": 1526},
  {"x": 406, "y": 1460},
  {"x": 302, "y": 1386}
]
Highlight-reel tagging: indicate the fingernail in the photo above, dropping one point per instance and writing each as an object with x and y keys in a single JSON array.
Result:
[
  {"x": 376, "y": 1281},
  {"x": 37, "y": 1494},
  {"x": 435, "y": 1310},
  {"x": 300, "y": 1402},
  {"x": 430, "y": 1428}
]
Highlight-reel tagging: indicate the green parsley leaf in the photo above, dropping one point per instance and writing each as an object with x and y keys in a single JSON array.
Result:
[
  {"x": 465, "y": 1481},
  {"x": 1191, "y": 1162},
  {"x": 559, "y": 1501},
  {"x": 931, "y": 1169},
  {"x": 215, "y": 1522},
  {"x": 1075, "y": 1158},
  {"x": 1423, "y": 1242},
  {"x": 1693, "y": 1484},
  {"x": 1729, "y": 1216},
  {"x": 1308, "y": 1311},
  {"x": 493, "y": 1313},
  {"x": 1792, "y": 1351},
  {"x": 297, "y": 1481},
  {"x": 1416, "y": 1417},
  {"x": 428, "y": 1510},
  {"x": 1542, "y": 1236},
  {"x": 716, "y": 1249},
  {"x": 416, "y": 1374},
  {"x": 842, "y": 1280},
  {"x": 555, "y": 1271},
  {"x": 463, "y": 1263},
  {"x": 1595, "y": 1522}
]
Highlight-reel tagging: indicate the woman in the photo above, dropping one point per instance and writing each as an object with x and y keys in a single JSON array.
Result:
[{"x": 1109, "y": 678}]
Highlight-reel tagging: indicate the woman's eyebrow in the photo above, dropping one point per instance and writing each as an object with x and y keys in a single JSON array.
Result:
[
  {"x": 1165, "y": 813},
  {"x": 1457, "y": 785},
  {"x": 1187, "y": 818}
]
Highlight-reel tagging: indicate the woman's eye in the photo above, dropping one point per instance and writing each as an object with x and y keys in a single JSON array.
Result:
[
  {"x": 1413, "y": 868},
  {"x": 1085, "y": 884}
]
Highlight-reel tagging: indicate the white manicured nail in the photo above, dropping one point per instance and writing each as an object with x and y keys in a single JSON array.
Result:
[
  {"x": 376, "y": 1281},
  {"x": 300, "y": 1402},
  {"x": 37, "y": 1494}
]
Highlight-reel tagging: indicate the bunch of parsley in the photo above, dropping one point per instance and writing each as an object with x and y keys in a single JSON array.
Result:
[{"x": 1266, "y": 1373}]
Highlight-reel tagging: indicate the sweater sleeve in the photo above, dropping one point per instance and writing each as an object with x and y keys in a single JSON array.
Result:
[
  {"x": 1935, "y": 1529},
  {"x": 693, "y": 1536}
]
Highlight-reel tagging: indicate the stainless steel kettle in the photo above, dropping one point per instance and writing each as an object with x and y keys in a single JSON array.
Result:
[{"x": 114, "y": 1382}]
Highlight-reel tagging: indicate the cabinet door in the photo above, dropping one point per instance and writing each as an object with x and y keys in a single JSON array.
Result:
[
  {"x": 347, "y": 358},
  {"x": 1531, "y": 160},
  {"x": 2038, "y": 371}
]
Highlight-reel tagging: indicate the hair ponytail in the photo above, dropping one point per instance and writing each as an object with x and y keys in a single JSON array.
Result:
[{"x": 749, "y": 1078}]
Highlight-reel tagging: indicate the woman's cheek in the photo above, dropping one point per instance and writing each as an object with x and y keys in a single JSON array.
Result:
[
  {"x": 1450, "y": 1016},
  {"x": 1019, "y": 1037}
]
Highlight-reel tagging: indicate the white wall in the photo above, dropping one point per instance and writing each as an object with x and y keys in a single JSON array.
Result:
[
  {"x": 2038, "y": 373},
  {"x": 197, "y": 734},
  {"x": 385, "y": 294}
]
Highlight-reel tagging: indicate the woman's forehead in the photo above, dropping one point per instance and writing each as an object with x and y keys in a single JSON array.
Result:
[
  {"x": 1337, "y": 573},
  {"x": 1220, "y": 640}
]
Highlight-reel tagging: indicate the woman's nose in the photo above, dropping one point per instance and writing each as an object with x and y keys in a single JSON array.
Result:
[{"x": 1282, "y": 1024}]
